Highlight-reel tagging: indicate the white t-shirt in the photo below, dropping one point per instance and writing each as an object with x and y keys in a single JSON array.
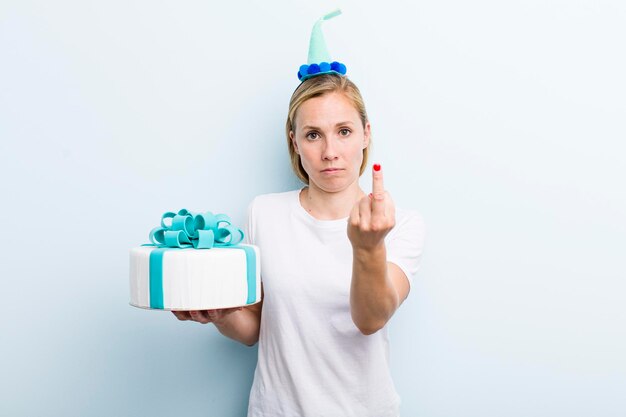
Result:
[{"x": 313, "y": 360}]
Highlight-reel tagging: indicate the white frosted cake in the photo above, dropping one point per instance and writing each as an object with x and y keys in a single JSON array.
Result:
[{"x": 183, "y": 270}]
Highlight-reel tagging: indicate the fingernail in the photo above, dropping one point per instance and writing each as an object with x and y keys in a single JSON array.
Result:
[
  {"x": 376, "y": 167},
  {"x": 371, "y": 195}
]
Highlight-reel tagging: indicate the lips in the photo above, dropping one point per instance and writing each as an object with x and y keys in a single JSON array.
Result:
[{"x": 329, "y": 170}]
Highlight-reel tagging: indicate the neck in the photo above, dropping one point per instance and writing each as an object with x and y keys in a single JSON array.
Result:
[{"x": 324, "y": 205}]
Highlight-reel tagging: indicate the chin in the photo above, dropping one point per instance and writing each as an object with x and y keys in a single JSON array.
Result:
[{"x": 333, "y": 185}]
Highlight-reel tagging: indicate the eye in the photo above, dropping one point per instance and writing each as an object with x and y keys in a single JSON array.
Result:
[
  {"x": 344, "y": 132},
  {"x": 312, "y": 135}
]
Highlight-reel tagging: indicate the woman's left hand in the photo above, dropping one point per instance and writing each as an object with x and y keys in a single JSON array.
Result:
[{"x": 373, "y": 216}]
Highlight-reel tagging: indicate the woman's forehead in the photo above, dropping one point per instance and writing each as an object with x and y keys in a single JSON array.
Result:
[{"x": 327, "y": 110}]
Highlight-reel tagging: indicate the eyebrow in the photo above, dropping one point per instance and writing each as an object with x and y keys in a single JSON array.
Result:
[{"x": 337, "y": 125}]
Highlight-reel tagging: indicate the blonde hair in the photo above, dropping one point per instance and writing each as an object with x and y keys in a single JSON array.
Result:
[{"x": 315, "y": 87}]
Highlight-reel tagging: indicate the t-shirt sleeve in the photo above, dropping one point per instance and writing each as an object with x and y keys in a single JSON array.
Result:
[
  {"x": 405, "y": 243},
  {"x": 248, "y": 232}
]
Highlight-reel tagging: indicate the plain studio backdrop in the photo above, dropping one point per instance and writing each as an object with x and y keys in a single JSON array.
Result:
[{"x": 503, "y": 123}]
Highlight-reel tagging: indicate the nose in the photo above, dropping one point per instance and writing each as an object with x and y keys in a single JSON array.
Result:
[{"x": 329, "y": 152}]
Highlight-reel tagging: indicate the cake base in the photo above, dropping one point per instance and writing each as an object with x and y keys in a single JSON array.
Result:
[
  {"x": 194, "y": 279},
  {"x": 185, "y": 309}
]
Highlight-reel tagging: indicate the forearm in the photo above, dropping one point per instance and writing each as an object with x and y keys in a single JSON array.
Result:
[
  {"x": 242, "y": 326},
  {"x": 373, "y": 298}
]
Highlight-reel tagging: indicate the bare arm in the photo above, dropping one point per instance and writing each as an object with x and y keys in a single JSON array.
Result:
[
  {"x": 378, "y": 287},
  {"x": 243, "y": 325}
]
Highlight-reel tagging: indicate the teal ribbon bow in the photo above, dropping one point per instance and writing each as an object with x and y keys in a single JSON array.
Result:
[{"x": 199, "y": 231}]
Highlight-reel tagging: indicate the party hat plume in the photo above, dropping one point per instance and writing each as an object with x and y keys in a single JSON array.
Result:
[{"x": 319, "y": 61}]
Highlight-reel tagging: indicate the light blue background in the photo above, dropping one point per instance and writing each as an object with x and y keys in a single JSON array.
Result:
[{"x": 502, "y": 122}]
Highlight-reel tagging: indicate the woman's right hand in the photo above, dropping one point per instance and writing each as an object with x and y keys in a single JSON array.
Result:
[{"x": 206, "y": 316}]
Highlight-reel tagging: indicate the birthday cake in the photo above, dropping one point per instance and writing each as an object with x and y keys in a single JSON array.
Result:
[{"x": 194, "y": 262}]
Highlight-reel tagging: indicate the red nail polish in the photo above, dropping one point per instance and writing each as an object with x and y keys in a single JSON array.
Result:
[
  {"x": 371, "y": 195},
  {"x": 376, "y": 167}
]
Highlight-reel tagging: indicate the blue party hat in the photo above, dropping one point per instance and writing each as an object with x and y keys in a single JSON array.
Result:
[{"x": 319, "y": 61}]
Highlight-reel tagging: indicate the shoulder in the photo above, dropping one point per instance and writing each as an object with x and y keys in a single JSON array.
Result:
[
  {"x": 273, "y": 201},
  {"x": 268, "y": 211},
  {"x": 409, "y": 219},
  {"x": 409, "y": 228},
  {"x": 272, "y": 205},
  {"x": 275, "y": 198},
  {"x": 405, "y": 242}
]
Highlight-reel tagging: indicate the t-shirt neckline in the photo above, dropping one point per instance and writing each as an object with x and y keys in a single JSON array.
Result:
[{"x": 306, "y": 216}]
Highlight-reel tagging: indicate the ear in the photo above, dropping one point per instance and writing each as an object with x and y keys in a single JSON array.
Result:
[
  {"x": 293, "y": 141},
  {"x": 367, "y": 131}
]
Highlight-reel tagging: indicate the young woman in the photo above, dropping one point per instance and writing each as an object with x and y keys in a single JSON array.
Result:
[{"x": 336, "y": 264}]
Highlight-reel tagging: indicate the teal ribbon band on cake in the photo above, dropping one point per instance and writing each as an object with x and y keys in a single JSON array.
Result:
[
  {"x": 156, "y": 278},
  {"x": 250, "y": 272},
  {"x": 198, "y": 231}
]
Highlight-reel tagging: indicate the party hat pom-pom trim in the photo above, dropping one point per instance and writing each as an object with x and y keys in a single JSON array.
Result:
[{"x": 308, "y": 71}]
